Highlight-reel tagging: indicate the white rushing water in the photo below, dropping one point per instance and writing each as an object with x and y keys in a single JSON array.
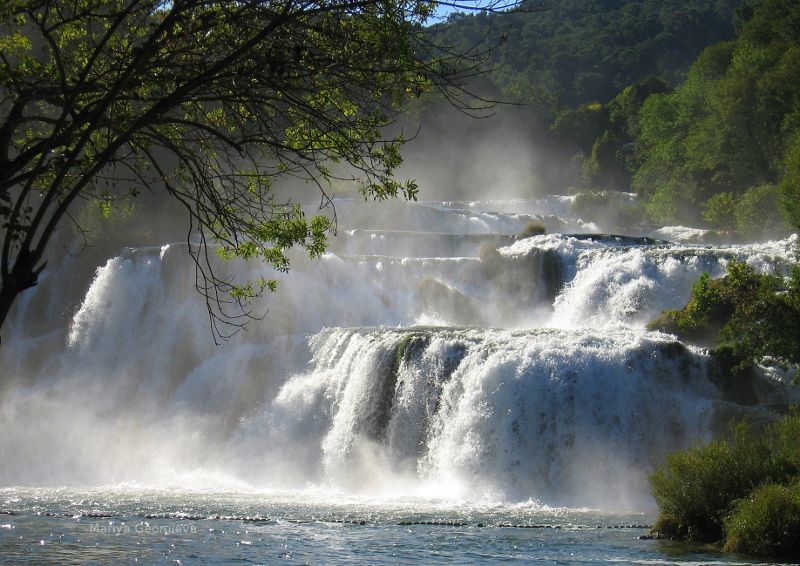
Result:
[{"x": 433, "y": 350}]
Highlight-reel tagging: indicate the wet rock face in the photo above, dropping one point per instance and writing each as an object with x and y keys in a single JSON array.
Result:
[
  {"x": 449, "y": 302},
  {"x": 534, "y": 277},
  {"x": 757, "y": 395},
  {"x": 552, "y": 274}
]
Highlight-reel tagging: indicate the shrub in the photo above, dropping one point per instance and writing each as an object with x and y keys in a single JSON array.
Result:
[
  {"x": 753, "y": 315},
  {"x": 754, "y": 214},
  {"x": 697, "y": 489},
  {"x": 757, "y": 213},
  {"x": 766, "y": 314},
  {"x": 767, "y": 523},
  {"x": 614, "y": 207},
  {"x": 784, "y": 441},
  {"x": 790, "y": 186},
  {"x": 667, "y": 322},
  {"x": 701, "y": 319},
  {"x": 533, "y": 228},
  {"x": 719, "y": 210}
]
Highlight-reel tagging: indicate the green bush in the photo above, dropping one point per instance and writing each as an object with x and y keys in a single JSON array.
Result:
[
  {"x": 719, "y": 210},
  {"x": 699, "y": 488},
  {"x": 790, "y": 185},
  {"x": 533, "y": 228},
  {"x": 702, "y": 318},
  {"x": 757, "y": 213},
  {"x": 784, "y": 441},
  {"x": 673, "y": 201},
  {"x": 696, "y": 488},
  {"x": 753, "y": 315},
  {"x": 614, "y": 207},
  {"x": 753, "y": 214},
  {"x": 767, "y": 523}
]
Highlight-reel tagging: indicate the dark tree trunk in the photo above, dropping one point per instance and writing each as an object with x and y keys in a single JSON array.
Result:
[{"x": 23, "y": 276}]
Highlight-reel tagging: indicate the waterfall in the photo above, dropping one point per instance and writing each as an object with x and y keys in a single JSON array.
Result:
[
  {"x": 432, "y": 350},
  {"x": 579, "y": 416}
]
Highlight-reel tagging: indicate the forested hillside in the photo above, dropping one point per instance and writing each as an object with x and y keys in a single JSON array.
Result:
[
  {"x": 726, "y": 143},
  {"x": 581, "y": 51},
  {"x": 693, "y": 105}
]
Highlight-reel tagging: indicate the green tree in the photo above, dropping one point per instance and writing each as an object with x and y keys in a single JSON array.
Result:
[
  {"x": 790, "y": 185},
  {"x": 720, "y": 210},
  {"x": 725, "y": 136},
  {"x": 758, "y": 212},
  {"x": 612, "y": 157},
  {"x": 209, "y": 103},
  {"x": 589, "y": 51},
  {"x": 582, "y": 125}
]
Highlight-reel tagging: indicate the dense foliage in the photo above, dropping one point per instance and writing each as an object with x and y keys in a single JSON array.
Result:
[
  {"x": 745, "y": 491},
  {"x": 745, "y": 316},
  {"x": 767, "y": 523},
  {"x": 721, "y": 145},
  {"x": 726, "y": 491},
  {"x": 720, "y": 148},
  {"x": 584, "y": 51}
]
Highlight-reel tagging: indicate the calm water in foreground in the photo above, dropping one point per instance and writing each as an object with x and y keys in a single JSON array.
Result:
[{"x": 123, "y": 526}]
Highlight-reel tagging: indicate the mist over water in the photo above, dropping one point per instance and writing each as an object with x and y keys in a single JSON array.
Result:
[{"x": 433, "y": 351}]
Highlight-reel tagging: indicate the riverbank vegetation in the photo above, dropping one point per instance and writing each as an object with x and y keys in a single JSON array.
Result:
[{"x": 743, "y": 493}]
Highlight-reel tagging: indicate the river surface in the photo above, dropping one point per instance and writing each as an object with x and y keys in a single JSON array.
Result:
[
  {"x": 443, "y": 386},
  {"x": 125, "y": 525}
]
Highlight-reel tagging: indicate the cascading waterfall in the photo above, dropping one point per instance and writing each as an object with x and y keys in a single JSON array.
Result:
[
  {"x": 433, "y": 350},
  {"x": 499, "y": 412}
]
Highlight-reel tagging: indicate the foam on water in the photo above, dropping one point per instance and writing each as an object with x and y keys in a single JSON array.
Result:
[{"x": 573, "y": 418}]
